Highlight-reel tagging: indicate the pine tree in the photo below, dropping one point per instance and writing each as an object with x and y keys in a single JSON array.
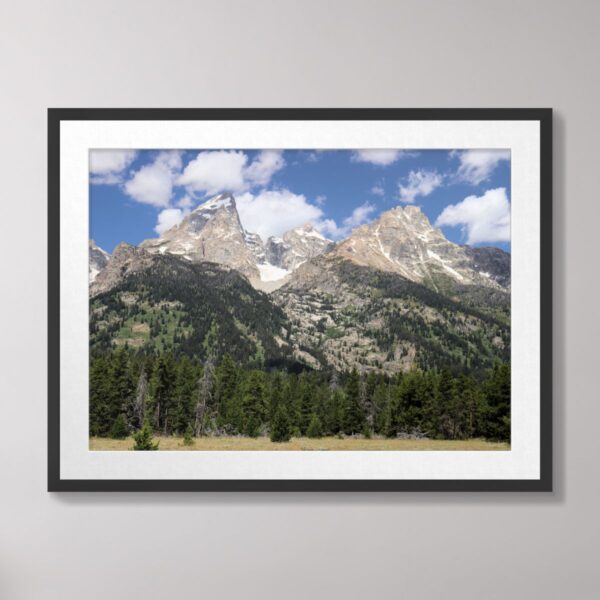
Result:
[
  {"x": 188, "y": 438},
  {"x": 306, "y": 393},
  {"x": 447, "y": 404},
  {"x": 120, "y": 386},
  {"x": 119, "y": 430},
  {"x": 162, "y": 391},
  {"x": 183, "y": 411},
  {"x": 143, "y": 438},
  {"x": 99, "y": 397},
  {"x": 380, "y": 404},
  {"x": 314, "y": 428},
  {"x": 226, "y": 396},
  {"x": 253, "y": 402},
  {"x": 353, "y": 412},
  {"x": 497, "y": 394},
  {"x": 280, "y": 426}
]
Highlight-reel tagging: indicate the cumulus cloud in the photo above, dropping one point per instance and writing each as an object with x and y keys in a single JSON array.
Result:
[
  {"x": 264, "y": 166},
  {"x": 483, "y": 218},
  {"x": 377, "y": 190},
  {"x": 215, "y": 171},
  {"x": 272, "y": 213},
  {"x": 107, "y": 166},
  {"x": 169, "y": 217},
  {"x": 185, "y": 202},
  {"x": 477, "y": 165},
  {"x": 360, "y": 215},
  {"x": 212, "y": 172},
  {"x": 419, "y": 183},
  {"x": 381, "y": 158},
  {"x": 153, "y": 183},
  {"x": 321, "y": 199}
]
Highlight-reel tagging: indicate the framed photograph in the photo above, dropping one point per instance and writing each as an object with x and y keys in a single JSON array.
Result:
[{"x": 300, "y": 300}]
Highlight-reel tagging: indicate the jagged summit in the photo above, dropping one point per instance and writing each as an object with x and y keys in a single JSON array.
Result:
[
  {"x": 98, "y": 259},
  {"x": 402, "y": 240},
  {"x": 221, "y": 201}
]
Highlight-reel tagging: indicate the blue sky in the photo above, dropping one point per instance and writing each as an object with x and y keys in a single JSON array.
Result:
[{"x": 135, "y": 195}]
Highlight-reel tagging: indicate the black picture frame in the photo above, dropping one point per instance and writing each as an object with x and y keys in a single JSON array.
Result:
[{"x": 58, "y": 115}]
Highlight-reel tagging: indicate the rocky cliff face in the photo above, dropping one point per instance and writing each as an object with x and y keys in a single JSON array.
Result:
[
  {"x": 126, "y": 260},
  {"x": 296, "y": 247},
  {"x": 212, "y": 232},
  {"x": 98, "y": 259},
  {"x": 403, "y": 241}
]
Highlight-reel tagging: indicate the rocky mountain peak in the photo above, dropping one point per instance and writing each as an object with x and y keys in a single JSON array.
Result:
[
  {"x": 402, "y": 240},
  {"x": 212, "y": 232},
  {"x": 221, "y": 201},
  {"x": 98, "y": 259},
  {"x": 125, "y": 260}
]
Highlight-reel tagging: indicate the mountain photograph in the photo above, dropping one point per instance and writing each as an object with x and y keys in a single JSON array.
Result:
[{"x": 299, "y": 300}]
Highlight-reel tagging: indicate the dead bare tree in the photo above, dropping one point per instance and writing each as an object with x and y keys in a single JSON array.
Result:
[
  {"x": 205, "y": 397},
  {"x": 139, "y": 406}
]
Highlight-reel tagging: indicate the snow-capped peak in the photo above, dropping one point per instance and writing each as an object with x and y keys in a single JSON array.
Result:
[
  {"x": 220, "y": 201},
  {"x": 308, "y": 230}
]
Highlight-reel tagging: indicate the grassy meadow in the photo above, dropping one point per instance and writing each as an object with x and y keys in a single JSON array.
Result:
[{"x": 302, "y": 443}]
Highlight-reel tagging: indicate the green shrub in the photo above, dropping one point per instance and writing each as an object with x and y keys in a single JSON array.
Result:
[
  {"x": 119, "y": 430},
  {"x": 143, "y": 438}
]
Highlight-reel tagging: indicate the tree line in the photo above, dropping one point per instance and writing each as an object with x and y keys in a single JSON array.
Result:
[{"x": 169, "y": 395}]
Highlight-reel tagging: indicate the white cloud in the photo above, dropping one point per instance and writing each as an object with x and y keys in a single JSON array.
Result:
[
  {"x": 377, "y": 190},
  {"x": 477, "y": 165},
  {"x": 185, "y": 202},
  {"x": 215, "y": 171},
  {"x": 263, "y": 167},
  {"x": 212, "y": 172},
  {"x": 169, "y": 217},
  {"x": 153, "y": 183},
  {"x": 321, "y": 199},
  {"x": 272, "y": 213},
  {"x": 107, "y": 166},
  {"x": 380, "y": 157},
  {"x": 483, "y": 218},
  {"x": 360, "y": 215},
  {"x": 419, "y": 183}
]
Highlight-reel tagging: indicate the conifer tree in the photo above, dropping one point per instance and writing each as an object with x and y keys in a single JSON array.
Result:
[
  {"x": 497, "y": 394},
  {"x": 143, "y": 438},
  {"x": 162, "y": 384},
  {"x": 183, "y": 410},
  {"x": 353, "y": 412},
  {"x": 253, "y": 402},
  {"x": 120, "y": 386},
  {"x": 99, "y": 397},
  {"x": 119, "y": 430},
  {"x": 314, "y": 428},
  {"x": 188, "y": 438},
  {"x": 226, "y": 397},
  {"x": 306, "y": 393},
  {"x": 280, "y": 426}
]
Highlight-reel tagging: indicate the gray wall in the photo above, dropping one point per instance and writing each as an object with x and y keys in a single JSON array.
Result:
[{"x": 265, "y": 53}]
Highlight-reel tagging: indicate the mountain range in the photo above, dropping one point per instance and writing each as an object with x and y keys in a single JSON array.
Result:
[{"x": 393, "y": 295}]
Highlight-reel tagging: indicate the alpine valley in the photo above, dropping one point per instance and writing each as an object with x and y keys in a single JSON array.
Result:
[{"x": 393, "y": 296}]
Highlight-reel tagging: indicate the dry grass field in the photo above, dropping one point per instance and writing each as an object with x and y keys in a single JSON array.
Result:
[{"x": 328, "y": 443}]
